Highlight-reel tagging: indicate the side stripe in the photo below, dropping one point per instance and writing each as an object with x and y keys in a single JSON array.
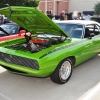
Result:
[
  {"x": 66, "y": 46},
  {"x": 60, "y": 48}
]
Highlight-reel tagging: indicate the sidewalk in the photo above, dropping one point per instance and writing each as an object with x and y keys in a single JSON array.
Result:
[{"x": 92, "y": 94}]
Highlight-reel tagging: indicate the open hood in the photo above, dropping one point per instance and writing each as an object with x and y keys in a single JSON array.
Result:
[{"x": 32, "y": 20}]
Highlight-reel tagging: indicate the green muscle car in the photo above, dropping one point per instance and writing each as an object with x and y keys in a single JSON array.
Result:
[{"x": 52, "y": 49}]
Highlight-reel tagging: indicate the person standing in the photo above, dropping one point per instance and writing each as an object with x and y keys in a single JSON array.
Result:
[
  {"x": 49, "y": 14},
  {"x": 63, "y": 16},
  {"x": 75, "y": 15}
]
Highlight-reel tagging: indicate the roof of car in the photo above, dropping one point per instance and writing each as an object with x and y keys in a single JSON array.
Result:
[
  {"x": 84, "y": 22},
  {"x": 15, "y": 24}
]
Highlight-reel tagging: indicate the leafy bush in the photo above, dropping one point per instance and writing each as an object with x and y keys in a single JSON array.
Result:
[{"x": 28, "y": 3}]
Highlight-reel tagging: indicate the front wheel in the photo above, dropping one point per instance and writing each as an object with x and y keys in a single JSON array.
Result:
[{"x": 63, "y": 72}]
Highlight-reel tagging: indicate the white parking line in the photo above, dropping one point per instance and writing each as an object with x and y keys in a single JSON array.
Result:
[
  {"x": 89, "y": 95},
  {"x": 5, "y": 97}
]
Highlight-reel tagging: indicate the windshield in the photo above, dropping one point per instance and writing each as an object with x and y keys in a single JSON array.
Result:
[
  {"x": 73, "y": 30},
  {"x": 10, "y": 29}
]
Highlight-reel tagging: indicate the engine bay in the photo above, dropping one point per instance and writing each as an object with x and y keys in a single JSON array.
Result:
[{"x": 35, "y": 44}]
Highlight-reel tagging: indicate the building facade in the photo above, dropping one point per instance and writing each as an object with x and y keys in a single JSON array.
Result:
[
  {"x": 82, "y": 5},
  {"x": 54, "y": 6}
]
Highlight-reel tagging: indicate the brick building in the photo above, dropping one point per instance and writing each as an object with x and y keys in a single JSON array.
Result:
[{"x": 55, "y": 6}]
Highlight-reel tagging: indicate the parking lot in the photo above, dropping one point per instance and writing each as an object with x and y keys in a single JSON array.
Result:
[{"x": 84, "y": 78}]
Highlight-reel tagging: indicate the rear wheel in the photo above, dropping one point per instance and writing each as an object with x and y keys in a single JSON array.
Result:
[{"x": 63, "y": 72}]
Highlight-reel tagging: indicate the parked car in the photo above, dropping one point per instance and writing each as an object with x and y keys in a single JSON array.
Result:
[
  {"x": 10, "y": 31},
  {"x": 55, "y": 49},
  {"x": 96, "y": 18}
]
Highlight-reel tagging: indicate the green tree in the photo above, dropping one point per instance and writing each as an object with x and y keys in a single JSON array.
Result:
[
  {"x": 28, "y": 3},
  {"x": 97, "y": 8},
  {"x": 31, "y": 3}
]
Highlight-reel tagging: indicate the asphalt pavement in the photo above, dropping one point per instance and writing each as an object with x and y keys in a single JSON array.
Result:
[{"x": 83, "y": 85}]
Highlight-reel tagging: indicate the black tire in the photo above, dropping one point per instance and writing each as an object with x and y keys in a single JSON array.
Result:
[{"x": 57, "y": 75}]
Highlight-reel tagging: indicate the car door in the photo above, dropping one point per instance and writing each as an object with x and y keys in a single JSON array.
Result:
[
  {"x": 96, "y": 38},
  {"x": 88, "y": 45}
]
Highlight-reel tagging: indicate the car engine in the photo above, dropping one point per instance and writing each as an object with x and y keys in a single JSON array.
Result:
[{"x": 35, "y": 44}]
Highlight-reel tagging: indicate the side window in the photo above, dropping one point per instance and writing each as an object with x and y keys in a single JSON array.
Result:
[
  {"x": 97, "y": 29},
  {"x": 94, "y": 29},
  {"x": 89, "y": 29}
]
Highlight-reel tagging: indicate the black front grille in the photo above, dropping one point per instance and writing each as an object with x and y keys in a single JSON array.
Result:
[{"x": 19, "y": 60}]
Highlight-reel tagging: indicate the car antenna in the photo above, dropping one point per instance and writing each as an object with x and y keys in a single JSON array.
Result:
[{"x": 9, "y": 9}]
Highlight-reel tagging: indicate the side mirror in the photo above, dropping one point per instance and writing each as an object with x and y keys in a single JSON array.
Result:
[
  {"x": 21, "y": 32},
  {"x": 92, "y": 35}
]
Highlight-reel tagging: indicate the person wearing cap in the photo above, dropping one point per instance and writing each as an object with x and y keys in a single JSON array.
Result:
[{"x": 63, "y": 16}]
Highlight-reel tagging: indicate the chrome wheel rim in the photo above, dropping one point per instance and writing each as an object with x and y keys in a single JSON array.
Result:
[{"x": 65, "y": 70}]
